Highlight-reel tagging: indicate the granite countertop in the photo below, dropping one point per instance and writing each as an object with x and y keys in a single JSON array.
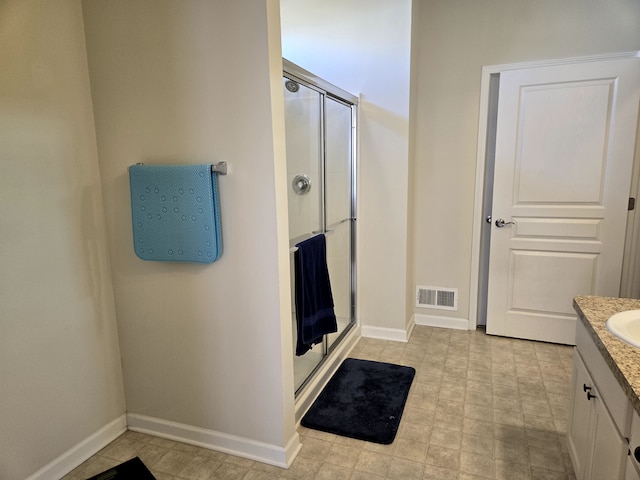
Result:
[{"x": 622, "y": 358}]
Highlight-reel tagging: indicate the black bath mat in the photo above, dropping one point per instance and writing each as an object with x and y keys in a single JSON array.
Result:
[
  {"x": 132, "y": 469},
  {"x": 363, "y": 400}
]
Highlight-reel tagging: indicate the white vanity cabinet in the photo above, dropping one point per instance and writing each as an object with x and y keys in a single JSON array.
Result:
[{"x": 599, "y": 418}]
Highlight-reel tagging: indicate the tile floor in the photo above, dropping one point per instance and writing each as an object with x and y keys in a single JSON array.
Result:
[{"x": 480, "y": 407}]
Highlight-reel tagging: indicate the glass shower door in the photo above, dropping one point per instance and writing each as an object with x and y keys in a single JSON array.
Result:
[
  {"x": 319, "y": 131},
  {"x": 339, "y": 208},
  {"x": 303, "y": 127}
]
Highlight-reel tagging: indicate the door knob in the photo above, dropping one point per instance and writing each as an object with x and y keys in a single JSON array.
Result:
[
  {"x": 301, "y": 184},
  {"x": 501, "y": 223}
]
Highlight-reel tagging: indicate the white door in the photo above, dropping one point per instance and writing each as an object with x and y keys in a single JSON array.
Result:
[{"x": 565, "y": 141}]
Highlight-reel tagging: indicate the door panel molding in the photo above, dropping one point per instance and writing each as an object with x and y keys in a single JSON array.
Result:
[{"x": 576, "y": 229}]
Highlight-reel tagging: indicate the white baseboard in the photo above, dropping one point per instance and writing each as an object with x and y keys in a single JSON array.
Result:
[
  {"x": 410, "y": 327},
  {"x": 384, "y": 333},
  {"x": 222, "y": 442},
  {"x": 442, "y": 322},
  {"x": 81, "y": 451}
]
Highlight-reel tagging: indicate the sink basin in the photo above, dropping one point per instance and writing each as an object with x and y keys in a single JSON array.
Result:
[{"x": 626, "y": 326}]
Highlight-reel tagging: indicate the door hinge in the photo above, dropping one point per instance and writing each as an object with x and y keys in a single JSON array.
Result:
[{"x": 632, "y": 204}]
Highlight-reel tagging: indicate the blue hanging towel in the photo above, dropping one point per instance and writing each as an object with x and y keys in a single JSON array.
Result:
[
  {"x": 175, "y": 213},
  {"x": 315, "y": 316}
]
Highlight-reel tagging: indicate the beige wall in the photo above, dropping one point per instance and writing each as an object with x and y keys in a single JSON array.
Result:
[
  {"x": 206, "y": 346},
  {"x": 60, "y": 376},
  {"x": 455, "y": 39}
]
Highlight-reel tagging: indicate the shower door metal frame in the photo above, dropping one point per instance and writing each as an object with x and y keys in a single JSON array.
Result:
[{"x": 326, "y": 89}]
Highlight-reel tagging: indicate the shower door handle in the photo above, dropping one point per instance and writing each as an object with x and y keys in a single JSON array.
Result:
[
  {"x": 301, "y": 184},
  {"x": 340, "y": 222}
]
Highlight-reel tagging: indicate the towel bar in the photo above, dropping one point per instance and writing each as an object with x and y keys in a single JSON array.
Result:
[
  {"x": 307, "y": 237},
  {"x": 220, "y": 168},
  {"x": 328, "y": 231}
]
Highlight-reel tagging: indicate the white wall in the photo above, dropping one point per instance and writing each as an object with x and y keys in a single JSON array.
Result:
[
  {"x": 60, "y": 376},
  {"x": 364, "y": 47},
  {"x": 455, "y": 39},
  {"x": 206, "y": 346}
]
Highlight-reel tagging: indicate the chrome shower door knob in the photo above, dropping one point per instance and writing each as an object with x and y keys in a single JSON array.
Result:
[{"x": 301, "y": 184}]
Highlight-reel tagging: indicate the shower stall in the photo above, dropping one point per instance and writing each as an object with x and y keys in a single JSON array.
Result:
[{"x": 320, "y": 121}]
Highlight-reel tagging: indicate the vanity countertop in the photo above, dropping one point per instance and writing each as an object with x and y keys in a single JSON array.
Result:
[{"x": 622, "y": 358}]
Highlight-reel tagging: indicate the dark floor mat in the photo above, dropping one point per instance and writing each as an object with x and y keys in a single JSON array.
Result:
[
  {"x": 132, "y": 469},
  {"x": 363, "y": 400}
]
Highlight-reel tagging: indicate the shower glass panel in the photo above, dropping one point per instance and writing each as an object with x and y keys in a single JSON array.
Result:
[
  {"x": 338, "y": 210},
  {"x": 306, "y": 203},
  {"x": 319, "y": 124},
  {"x": 304, "y": 159}
]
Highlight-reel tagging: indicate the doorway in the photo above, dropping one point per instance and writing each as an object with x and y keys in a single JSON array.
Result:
[{"x": 553, "y": 181}]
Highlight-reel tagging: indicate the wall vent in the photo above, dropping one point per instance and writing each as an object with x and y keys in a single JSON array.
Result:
[{"x": 437, "y": 297}]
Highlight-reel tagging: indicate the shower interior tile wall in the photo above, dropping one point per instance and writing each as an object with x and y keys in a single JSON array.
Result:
[{"x": 480, "y": 407}]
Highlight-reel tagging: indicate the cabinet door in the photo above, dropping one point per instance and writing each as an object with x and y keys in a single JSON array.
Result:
[
  {"x": 609, "y": 449},
  {"x": 580, "y": 420}
]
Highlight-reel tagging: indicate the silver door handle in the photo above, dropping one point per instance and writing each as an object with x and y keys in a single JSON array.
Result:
[
  {"x": 501, "y": 223},
  {"x": 301, "y": 184}
]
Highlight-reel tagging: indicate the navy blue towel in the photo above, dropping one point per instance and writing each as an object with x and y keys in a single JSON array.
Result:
[{"x": 314, "y": 302}]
